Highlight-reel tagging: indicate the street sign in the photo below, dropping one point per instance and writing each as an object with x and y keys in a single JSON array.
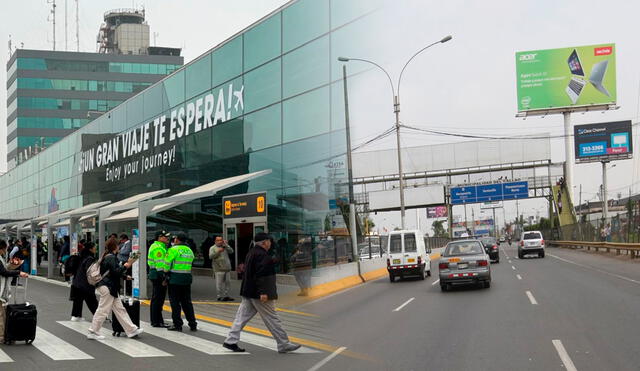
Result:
[
  {"x": 489, "y": 192},
  {"x": 245, "y": 205}
]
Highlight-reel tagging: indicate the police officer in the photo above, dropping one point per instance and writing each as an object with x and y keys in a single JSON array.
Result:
[
  {"x": 155, "y": 260},
  {"x": 177, "y": 268}
]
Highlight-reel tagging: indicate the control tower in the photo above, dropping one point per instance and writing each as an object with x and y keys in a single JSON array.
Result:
[{"x": 124, "y": 31}]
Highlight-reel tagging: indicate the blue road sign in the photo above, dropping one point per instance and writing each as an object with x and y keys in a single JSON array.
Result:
[
  {"x": 489, "y": 192},
  {"x": 515, "y": 190},
  {"x": 463, "y": 195}
]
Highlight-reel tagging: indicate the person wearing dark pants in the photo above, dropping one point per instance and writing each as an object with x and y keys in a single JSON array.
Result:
[
  {"x": 259, "y": 293},
  {"x": 155, "y": 260},
  {"x": 81, "y": 291},
  {"x": 177, "y": 270}
]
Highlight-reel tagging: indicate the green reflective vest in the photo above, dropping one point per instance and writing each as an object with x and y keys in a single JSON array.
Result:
[
  {"x": 155, "y": 260},
  {"x": 177, "y": 264}
]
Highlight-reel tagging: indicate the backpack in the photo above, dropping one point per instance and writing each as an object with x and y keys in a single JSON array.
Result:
[
  {"x": 93, "y": 273},
  {"x": 71, "y": 265}
]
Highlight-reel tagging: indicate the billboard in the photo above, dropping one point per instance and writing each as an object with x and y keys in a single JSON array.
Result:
[
  {"x": 489, "y": 192},
  {"x": 437, "y": 212},
  {"x": 566, "y": 77},
  {"x": 603, "y": 142}
]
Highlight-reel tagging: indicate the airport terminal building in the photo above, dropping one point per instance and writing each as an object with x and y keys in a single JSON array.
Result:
[{"x": 269, "y": 97}]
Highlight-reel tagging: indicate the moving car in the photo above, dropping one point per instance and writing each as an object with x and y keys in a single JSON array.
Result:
[
  {"x": 491, "y": 248},
  {"x": 464, "y": 262},
  {"x": 407, "y": 255},
  {"x": 531, "y": 243}
]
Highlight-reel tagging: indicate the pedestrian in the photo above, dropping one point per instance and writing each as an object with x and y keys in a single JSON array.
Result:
[
  {"x": 155, "y": 260},
  {"x": 65, "y": 250},
  {"x": 6, "y": 271},
  {"x": 560, "y": 206},
  {"x": 81, "y": 291},
  {"x": 259, "y": 293},
  {"x": 219, "y": 254},
  {"x": 177, "y": 271},
  {"x": 108, "y": 289},
  {"x": 124, "y": 248}
]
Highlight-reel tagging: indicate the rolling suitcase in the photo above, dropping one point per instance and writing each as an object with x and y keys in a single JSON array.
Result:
[
  {"x": 21, "y": 320},
  {"x": 132, "y": 305}
]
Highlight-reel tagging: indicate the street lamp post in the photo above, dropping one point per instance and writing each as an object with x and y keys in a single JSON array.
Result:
[{"x": 396, "y": 110}]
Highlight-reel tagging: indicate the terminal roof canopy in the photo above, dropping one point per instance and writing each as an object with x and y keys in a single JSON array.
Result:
[{"x": 205, "y": 190}]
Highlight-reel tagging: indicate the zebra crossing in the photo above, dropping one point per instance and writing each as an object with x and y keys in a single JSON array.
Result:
[{"x": 54, "y": 347}]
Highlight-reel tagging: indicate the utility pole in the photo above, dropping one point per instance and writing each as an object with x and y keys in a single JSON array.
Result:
[
  {"x": 66, "y": 44},
  {"x": 473, "y": 221},
  {"x": 580, "y": 209},
  {"x": 77, "y": 26},
  {"x": 605, "y": 205},
  {"x": 352, "y": 202},
  {"x": 53, "y": 13}
]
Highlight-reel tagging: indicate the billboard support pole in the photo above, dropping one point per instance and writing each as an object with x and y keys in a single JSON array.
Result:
[
  {"x": 605, "y": 205},
  {"x": 568, "y": 154}
]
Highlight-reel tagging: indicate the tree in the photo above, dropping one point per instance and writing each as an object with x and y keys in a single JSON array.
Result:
[
  {"x": 368, "y": 225},
  {"x": 438, "y": 228}
]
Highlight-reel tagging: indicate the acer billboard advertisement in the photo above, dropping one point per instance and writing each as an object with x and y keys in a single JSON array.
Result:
[
  {"x": 582, "y": 76},
  {"x": 603, "y": 142}
]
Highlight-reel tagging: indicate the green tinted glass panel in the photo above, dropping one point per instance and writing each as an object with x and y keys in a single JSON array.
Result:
[
  {"x": 153, "y": 101},
  {"x": 174, "y": 88},
  {"x": 262, "y": 42},
  {"x": 227, "y": 61},
  {"x": 262, "y": 86},
  {"x": 306, "y": 115},
  {"x": 228, "y": 139},
  {"x": 198, "y": 76},
  {"x": 262, "y": 129},
  {"x": 304, "y": 21},
  {"x": 30, "y": 141},
  {"x": 32, "y": 64},
  {"x": 306, "y": 68}
]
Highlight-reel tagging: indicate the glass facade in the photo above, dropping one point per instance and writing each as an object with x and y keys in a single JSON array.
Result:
[
  {"x": 265, "y": 99},
  {"x": 88, "y": 66},
  {"x": 81, "y": 85}
]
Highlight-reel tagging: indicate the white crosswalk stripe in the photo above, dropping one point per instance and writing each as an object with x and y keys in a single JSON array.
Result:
[
  {"x": 56, "y": 348},
  {"x": 4, "y": 357},
  {"x": 132, "y": 348},
  {"x": 189, "y": 341},
  {"x": 249, "y": 338}
]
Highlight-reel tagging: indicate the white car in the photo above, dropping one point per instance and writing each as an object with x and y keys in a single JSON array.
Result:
[
  {"x": 407, "y": 255},
  {"x": 531, "y": 242}
]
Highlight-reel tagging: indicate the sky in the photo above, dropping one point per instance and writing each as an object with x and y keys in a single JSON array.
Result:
[{"x": 466, "y": 85}]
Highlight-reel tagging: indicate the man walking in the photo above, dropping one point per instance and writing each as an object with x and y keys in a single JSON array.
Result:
[
  {"x": 259, "y": 293},
  {"x": 125, "y": 248},
  {"x": 219, "y": 254},
  {"x": 177, "y": 268},
  {"x": 155, "y": 260}
]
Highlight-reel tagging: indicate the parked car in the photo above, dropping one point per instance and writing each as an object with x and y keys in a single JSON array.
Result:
[
  {"x": 407, "y": 255},
  {"x": 464, "y": 262},
  {"x": 491, "y": 248},
  {"x": 531, "y": 243}
]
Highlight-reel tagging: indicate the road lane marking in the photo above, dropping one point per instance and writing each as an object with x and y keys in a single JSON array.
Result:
[
  {"x": 189, "y": 341},
  {"x": 435, "y": 282},
  {"x": 512, "y": 267},
  {"x": 531, "y": 298},
  {"x": 247, "y": 337},
  {"x": 135, "y": 348},
  {"x": 564, "y": 356},
  {"x": 56, "y": 348},
  {"x": 327, "y": 359},
  {"x": 4, "y": 357},
  {"x": 596, "y": 269},
  {"x": 519, "y": 277},
  {"x": 402, "y": 306}
]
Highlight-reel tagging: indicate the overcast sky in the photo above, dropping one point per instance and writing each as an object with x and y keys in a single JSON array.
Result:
[{"x": 466, "y": 85}]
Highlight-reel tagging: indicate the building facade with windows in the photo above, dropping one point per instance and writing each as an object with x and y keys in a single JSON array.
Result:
[
  {"x": 53, "y": 93},
  {"x": 269, "y": 97}
]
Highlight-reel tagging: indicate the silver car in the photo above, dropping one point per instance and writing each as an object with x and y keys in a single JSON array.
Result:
[
  {"x": 531, "y": 243},
  {"x": 464, "y": 262}
]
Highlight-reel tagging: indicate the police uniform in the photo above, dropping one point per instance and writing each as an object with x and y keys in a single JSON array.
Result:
[
  {"x": 155, "y": 260},
  {"x": 177, "y": 268}
]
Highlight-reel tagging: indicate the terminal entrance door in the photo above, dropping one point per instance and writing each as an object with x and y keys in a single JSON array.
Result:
[{"x": 240, "y": 236}]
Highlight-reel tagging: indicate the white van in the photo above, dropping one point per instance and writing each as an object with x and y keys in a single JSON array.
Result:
[{"x": 407, "y": 255}]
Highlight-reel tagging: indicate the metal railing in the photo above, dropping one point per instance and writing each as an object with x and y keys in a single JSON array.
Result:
[{"x": 632, "y": 249}]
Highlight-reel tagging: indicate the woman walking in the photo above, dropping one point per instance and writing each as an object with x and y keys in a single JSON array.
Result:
[
  {"x": 81, "y": 290},
  {"x": 108, "y": 289}
]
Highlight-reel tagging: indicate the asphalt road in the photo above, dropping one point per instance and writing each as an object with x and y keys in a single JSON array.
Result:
[
  {"x": 580, "y": 307},
  {"x": 569, "y": 311}
]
